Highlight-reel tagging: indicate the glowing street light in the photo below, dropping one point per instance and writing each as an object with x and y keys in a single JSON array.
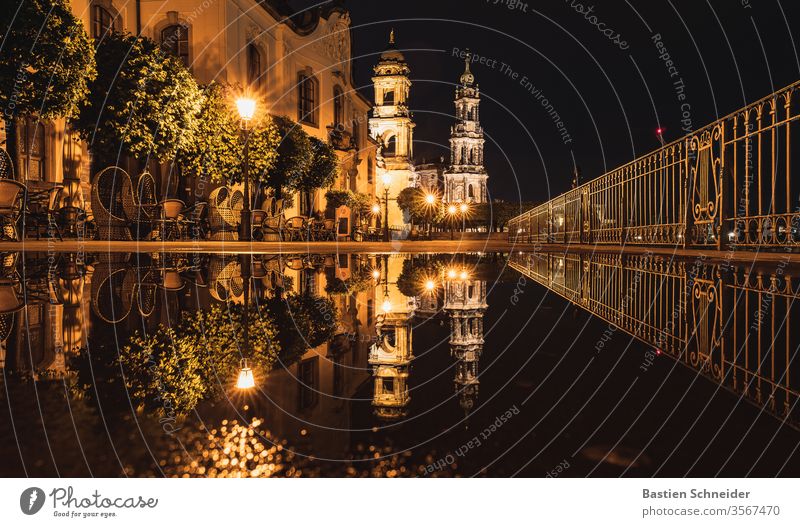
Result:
[
  {"x": 463, "y": 275},
  {"x": 376, "y": 274},
  {"x": 430, "y": 199},
  {"x": 247, "y": 109},
  {"x": 451, "y": 273},
  {"x": 376, "y": 209},
  {"x": 430, "y": 285},
  {"x": 386, "y": 306},
  {"x": 463, "y": 208},
  {"x": 246, "y": 380},
  {"x": 451, "y": 209}
]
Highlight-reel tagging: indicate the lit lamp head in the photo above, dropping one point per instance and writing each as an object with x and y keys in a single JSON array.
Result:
[
  {"x": 386, "y": 178},
  {"x": 386, "y": 306},
  {"x": 430, "y": 285},
  {"x": 376, "y": 209},
  {"x": 451, "y": 273},
  {"x": 463, "y": 275},
  {"x": 463, "y": 208},
  {"x": 430, "y": 199},
  {"x": 246, "y": 107},
  {"x": 245, "y": 380},
  {"x": 451, "y": 209},
  {"x": 376, "y": 274}
]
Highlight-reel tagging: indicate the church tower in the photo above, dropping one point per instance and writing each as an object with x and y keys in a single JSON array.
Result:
[
  {"x": 465, "y": 179},
  {"x": 465, "y": 304},
  {"x": 391, "y": 125}
]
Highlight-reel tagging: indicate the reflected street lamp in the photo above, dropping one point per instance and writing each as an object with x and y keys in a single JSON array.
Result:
[{"x": 247, "y": 109}]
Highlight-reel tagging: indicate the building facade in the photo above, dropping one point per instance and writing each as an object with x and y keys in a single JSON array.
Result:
[
  {"x": 295, "y": 65},
  {"x": 465, "y": 179}
]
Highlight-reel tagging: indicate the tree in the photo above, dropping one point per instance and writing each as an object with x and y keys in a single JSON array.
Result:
[
  {"x": 303, "y": 321},
  {"x": 174, "y": 368},
  {"x": 216, "y": 149},
  {"x": 143, "y": 101},
  {"x": 294, "y": 156},
  {"x": 338, "y": 198},
  {"x": 412, "y": 202},
  {"x": 46, "y": 61},
  {"x": 321, "y": 170}
]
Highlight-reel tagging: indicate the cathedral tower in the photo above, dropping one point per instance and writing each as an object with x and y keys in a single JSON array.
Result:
[
  {"x": 392, "y": 126},
  {"x": 465, "y": 179},
  {"x": 465, "y": 304}
]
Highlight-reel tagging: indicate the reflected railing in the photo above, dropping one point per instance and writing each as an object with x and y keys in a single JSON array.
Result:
[
  {"x": 728, "y": 183},
  {"x": 735, "y": 325}
]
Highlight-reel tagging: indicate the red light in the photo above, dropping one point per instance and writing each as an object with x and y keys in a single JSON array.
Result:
[
  {"x": 659, "y": 131},
  {"x": 658, "y": 352}
]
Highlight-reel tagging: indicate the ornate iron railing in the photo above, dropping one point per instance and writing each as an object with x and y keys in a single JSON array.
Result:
[
  {"x": 736, "y": 326},
  {"x": 728, "y": 183}
]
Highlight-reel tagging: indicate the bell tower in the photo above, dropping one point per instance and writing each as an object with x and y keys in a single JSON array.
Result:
[
  {"x": 392, "y": 126},
  {"x": 465, "y": 179},
  {"x": 465, "y": 304}
]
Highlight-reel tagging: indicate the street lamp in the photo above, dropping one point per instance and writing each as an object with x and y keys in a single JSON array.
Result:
[
  {"x": 463, "y": 208},
  {"x": 247, "y": 109},
  {"x": 246, "y": 381},
  {"x": 430, "y": 199},
  {"x": 451, "y": 211},
  {"x": 386, "y": 178}
]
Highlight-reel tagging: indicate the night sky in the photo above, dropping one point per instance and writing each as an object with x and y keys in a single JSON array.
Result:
[{"x": 611, "y": 93}]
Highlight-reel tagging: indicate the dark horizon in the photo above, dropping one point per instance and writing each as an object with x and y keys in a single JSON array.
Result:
[{"x": 610, "y": 100}]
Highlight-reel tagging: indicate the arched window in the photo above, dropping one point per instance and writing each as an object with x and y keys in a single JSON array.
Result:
[
  {"x": 253, "y": 65},
  {"x": 102, "y": 21},
  {"x": 307, "y": 99},
  {"x": 175, "y": 41},
  {"x": 471, "y": 192},
  {"x": 338, "y": 107},
  {"x": 388, "y": 98},
  {"x": 391, "y": 147}
]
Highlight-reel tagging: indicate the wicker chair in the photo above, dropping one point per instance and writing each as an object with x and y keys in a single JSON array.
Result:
[
  {"x": 107, "y": 208},
  {"x": 194, "y": 222},
  {"x": 12, "y": 197},
  {"x": 296, "y": 229},
  {"x": 224, "y": 213},
  {"x": 225, "y": 279},
  {"x": 140, "y": 204},
  {"x": 43, "y": 216},
  {"x": 172, "y": 219}
]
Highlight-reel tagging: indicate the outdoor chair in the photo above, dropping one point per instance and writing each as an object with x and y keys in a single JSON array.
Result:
[
  {"x": 171, "y": 222},
  {"x": 296, "y": 229},
  {"x": 327, "y": 231},
  {"x": 257, "y": 218},
  {"x": 140, "y": 204},
  {"x": 42, "y": 213},
  {"x": 194, "y": 223},
  {"x": 224, "y": 213},
  {"x": 12, "y": 197},
  {"x": 107, "y": 208}
]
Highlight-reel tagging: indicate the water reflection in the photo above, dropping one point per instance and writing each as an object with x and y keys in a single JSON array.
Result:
[
  {"x": 127, "y": 363},
  {"x": 734, "y": 324}
]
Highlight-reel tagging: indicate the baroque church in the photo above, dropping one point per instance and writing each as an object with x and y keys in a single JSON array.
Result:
[{"x": 463, "y": 179}]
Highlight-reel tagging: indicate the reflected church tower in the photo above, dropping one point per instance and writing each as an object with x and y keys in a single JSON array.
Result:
[
  {"x": 465, "y": 305},
  {"x": 391, "y": 355}
]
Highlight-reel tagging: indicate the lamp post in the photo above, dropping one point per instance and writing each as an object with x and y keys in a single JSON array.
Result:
[
  {"x": 387, "y": 180},
  {"x": 245, "y": 380},
  {"x": 246, "y": 108},
  {"x": 451, "y": 211},
  {"x": 464, "y": 209}
]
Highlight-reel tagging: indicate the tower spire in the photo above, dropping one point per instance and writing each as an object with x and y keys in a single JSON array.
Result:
[
  {"x": 467, "y": 78},
  {"x": 391, "y": 37}
]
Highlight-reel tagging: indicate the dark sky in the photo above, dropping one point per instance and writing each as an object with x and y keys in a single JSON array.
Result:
[{"x": 726, "y": 52}]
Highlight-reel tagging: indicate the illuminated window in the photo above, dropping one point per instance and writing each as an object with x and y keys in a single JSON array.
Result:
[
  {"x": 307, "y": 99},
  {"x": 253, "y": 65},
  {"x": 338, "y": 107},
  {"x": 175, "y": 41},
  {"x": 102, "y": 21}
]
